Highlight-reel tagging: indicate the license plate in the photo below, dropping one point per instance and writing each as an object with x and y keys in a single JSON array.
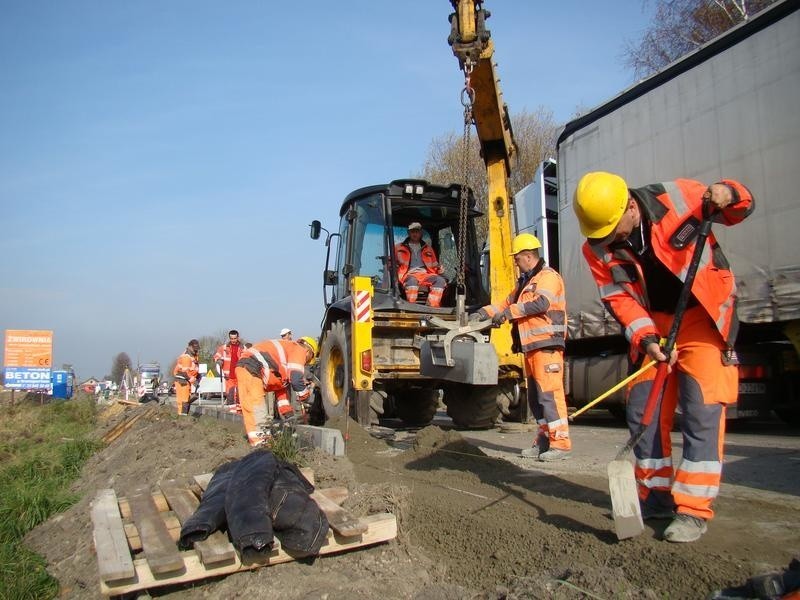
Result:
[{"x": 748, "y": 387}]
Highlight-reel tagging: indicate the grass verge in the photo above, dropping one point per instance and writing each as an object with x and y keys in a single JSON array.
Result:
[{"x": 42, "y": 450}]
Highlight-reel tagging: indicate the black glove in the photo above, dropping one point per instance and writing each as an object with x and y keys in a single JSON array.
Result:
[
  {"x": 474, "y": 317},
  {"x": 499, "y": 318}
]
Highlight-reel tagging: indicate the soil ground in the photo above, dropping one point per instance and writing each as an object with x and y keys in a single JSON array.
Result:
[{"x": 470, "y": 525}]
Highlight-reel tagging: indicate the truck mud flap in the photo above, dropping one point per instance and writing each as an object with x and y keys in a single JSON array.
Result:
[{"x": 473, "y": 363}]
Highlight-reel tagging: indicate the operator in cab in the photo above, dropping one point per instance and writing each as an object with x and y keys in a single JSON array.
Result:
[{"x": 417, "y": 265}]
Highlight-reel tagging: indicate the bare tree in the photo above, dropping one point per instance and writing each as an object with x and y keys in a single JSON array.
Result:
[
  {"x": 680, "y": 26},
  {"x": 121, "y": 362},
  {"x": 535, "y": 135}
]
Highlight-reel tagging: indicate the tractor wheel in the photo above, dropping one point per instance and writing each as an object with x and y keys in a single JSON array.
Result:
[
  {"x": 334, "y": 370},
  {"x": 416, "y": 406},
  {"x": 472, "y": 406}
]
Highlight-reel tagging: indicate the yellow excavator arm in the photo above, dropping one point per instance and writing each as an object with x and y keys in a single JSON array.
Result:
[{"x": 472, "y": 45}]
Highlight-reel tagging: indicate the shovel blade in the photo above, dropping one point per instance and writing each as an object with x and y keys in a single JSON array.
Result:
[{"x": 624, "y": 499}]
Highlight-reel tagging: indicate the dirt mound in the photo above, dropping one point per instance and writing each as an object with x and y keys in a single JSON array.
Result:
[{"x": 470, "y": 526}]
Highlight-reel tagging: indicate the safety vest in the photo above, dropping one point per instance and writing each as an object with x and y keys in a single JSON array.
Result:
[
  {"x": 186, "y": 367},
  {"x": 223, "y": 353},
  {"x": 285, "y": 358},
  {"x": 674, "y": 211},
  {"x": 538, "y": 308},
  {"x": 403, "y": 253}
]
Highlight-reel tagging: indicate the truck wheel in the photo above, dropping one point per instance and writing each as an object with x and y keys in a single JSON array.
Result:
[
  {"x": 334, "y": 370},
  {"x": 472, "y": 406},
  {"x": 416, "y": 406}
]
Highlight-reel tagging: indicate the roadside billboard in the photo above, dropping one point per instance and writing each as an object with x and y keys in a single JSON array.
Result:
[{"x": 28, "y": 358}]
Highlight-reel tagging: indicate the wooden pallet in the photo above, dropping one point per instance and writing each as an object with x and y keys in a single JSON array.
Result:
[{"x": 136, "y": 537}]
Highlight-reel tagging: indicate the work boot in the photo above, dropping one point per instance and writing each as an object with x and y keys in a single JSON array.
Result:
[
  {"x": 685, "y": 528},
  {"x": 530, "y": 452},
  {"x": 553, "y": 454},
  {"x": 650, "y": 511}
]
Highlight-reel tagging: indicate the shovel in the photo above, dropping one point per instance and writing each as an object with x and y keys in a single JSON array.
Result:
[{"x": 621, "y": 479}]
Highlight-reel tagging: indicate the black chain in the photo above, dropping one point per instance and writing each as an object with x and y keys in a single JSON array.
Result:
[{"x": 467, "y": 100}]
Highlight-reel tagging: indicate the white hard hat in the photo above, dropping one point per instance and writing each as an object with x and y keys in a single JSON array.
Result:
[
  {"x": 285, "y": 330},
  {"x": 415, "y": 225}
]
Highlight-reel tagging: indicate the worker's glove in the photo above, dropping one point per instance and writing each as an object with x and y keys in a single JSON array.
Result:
[
  {"x": 499, "y": 318},
  {"x": 478, "y": 315}
]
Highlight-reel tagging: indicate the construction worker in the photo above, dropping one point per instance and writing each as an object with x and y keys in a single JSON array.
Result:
[
  {"x": 272, "y": 366},
  {"x": 226, "y": 355},
  {"x": 286, "y": 334},
  {"x": 639, "y": 245},
  {"x": 186, "y": 373},
  {"x": 417, "y": 266},
  {"x": 538, "y": 313}
]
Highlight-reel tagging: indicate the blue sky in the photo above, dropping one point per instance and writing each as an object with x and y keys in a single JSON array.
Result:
[{"x": 160, "y": 161}]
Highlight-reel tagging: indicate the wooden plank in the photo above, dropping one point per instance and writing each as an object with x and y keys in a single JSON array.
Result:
[
  {"x": 203, "y": 480},
  {"x": 335, "y": 494},
  {"x": 381, "y": 528},
  {"x": 180, "y": 499},
  {"x": 159, "y": 549},
  {"x": 340, "y": 520},
  {"x": 161, "y": 504},
  {"x": 214, "y": 550},
  {"x": 170, "y": 520},
  {"x": 113, "y": 557}
]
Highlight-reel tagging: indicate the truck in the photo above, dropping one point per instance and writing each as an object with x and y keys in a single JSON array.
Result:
[
  {"x": 383, "y": 356},
  {"x": 727, "y": 110},
  {"x": 148, "y": 378}
]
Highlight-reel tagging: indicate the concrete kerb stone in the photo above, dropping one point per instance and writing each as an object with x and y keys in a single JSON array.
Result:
[{"x": 325, "y": 438}]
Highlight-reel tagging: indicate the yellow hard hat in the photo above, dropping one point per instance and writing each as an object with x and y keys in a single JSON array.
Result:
[
  {"x": 525, "y": 241},
  {"x": 311, "y": 343},
  {"x": 599, "y": 202}
]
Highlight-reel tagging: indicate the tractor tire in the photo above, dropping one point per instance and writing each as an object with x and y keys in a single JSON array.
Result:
[
  {"x": 510, "y": 400},
  {"x": 472, "y": 406},
  {"x": 336, "y": 384},
  {"x": 416, "y": 406}
]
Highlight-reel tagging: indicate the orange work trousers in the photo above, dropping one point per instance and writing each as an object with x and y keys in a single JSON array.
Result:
[
  {"x": 545, "y": 370},
  {"x": 256, "y": 413},
  {"x": 702, "y": 383},
  {"x": 183, "y": 391}
]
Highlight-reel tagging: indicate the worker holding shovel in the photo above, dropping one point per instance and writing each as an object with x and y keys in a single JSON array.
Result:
[{"x": 640, "y": 250}]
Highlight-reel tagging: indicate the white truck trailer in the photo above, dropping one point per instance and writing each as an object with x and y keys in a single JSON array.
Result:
[{"x": 731, "y": 109}]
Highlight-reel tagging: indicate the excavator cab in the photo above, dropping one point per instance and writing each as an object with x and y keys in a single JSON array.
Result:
[{"x": 375, "y": 219}]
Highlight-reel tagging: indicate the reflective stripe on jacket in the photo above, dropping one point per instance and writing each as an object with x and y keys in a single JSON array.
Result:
[
  {"x": 186, "y": 366},
  {"x": 288, "y": 356},
  {"x": 403, "y": 253},
  {"x": 537, "y": 309},
  {"x": 672, "y": 209}
]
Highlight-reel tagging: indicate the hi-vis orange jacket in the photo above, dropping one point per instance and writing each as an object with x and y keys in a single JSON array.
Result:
[
  {"x": 674, "y": 211},
  {"x": 286, "y": 360},
  {"x": 403, "y": 253},
  {"x": 186, "y": 367},
  {"x": 537, "y": 309},
  {"x": 223, "y": 353}
]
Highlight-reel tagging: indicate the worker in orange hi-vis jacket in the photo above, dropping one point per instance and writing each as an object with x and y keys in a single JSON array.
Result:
[
  {"x": 417, "y": 266},
  {"x": 226, "y": 357},
  {"x": 186, "y": 372},
  {"x": 640, "y": 242},
  {"x": 272, "y": 366},
  {"x": 537, "y": 310}
]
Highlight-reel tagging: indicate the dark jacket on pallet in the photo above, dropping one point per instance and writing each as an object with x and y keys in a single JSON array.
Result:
[{"x": 259, "y": 494}]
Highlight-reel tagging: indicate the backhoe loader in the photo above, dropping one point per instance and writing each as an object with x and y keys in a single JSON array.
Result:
[{"x": 383, "y": 356}]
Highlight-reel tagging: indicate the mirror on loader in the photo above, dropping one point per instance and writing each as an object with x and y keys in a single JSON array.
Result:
[{"x": 316, "y": 228}]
